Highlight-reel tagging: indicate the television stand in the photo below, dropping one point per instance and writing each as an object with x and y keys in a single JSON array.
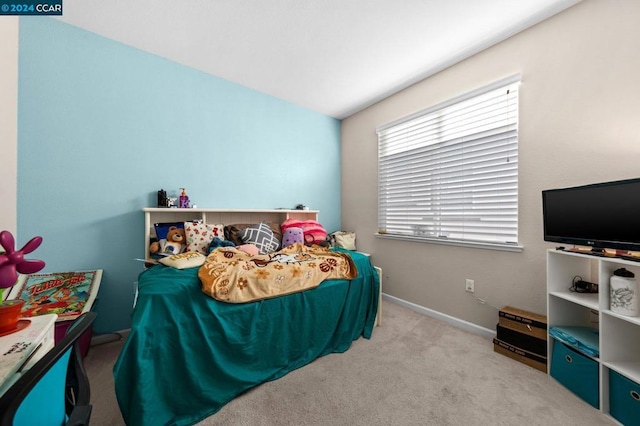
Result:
[
  {"x": 626, "y": 257},
  {"x": 587, "y": 250},
  {"x": 600, "y": 252}
]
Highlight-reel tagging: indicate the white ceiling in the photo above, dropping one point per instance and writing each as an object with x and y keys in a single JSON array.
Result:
[{"x": 335, "y": 57}]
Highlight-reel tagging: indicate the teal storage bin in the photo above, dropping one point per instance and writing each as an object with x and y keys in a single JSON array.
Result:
[
  {"x": 576, "y": 372},
  {"x": 624, "y": 399}
]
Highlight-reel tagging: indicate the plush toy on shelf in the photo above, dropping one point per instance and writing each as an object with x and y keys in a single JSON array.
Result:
[{"x": 175, "y": 243}]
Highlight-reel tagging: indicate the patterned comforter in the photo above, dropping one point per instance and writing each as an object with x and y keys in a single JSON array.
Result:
[{"x": 231, "y": 275}]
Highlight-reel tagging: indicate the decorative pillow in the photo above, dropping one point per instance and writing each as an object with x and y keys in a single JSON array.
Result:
[
  {"x": 184, "y": 260},
  {"x": 314, "y": 232},
  {"x": 275, "y": 228},
  {"x": 250, "y": 249},
  {"x": 346, "y": 240},
  {"x": 200, "y": 235},
  {"x": 291, "y": 236},
  {"x": 231, "y": 232},
  {"x": 261, "y": 236}
]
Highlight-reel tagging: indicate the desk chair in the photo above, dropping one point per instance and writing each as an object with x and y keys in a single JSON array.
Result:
[{"x": 55, "y": 391}]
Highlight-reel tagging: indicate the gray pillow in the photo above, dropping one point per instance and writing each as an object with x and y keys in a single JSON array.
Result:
[{"x": 261, "y": 236}]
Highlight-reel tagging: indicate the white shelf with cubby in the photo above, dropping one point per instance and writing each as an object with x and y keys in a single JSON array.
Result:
[
  {"x": 225, "y": 216},
  {"x": 619, "y": 335}
]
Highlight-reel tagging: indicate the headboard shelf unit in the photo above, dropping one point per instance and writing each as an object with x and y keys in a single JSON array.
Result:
[{"x": 154, "y": 215}]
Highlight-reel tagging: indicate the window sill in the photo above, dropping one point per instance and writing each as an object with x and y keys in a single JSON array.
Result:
[{"x": 470, "y": 244}]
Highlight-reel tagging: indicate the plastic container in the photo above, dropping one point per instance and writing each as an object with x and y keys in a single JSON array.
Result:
[
  {"x": 184, "y": 199},
  {"x": 623, "y": 298}
]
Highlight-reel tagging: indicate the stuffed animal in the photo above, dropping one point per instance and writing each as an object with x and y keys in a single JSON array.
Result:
[
  {"x": 292, "y": 236},
  {"x": 174, "y": 243}
]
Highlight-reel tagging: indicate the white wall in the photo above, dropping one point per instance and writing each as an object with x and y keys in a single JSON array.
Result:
[
  {"x": 579, "y": 124},
  {"x": 8, "y": 122}
]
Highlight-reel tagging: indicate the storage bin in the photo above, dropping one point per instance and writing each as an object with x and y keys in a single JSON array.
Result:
[
  {"x": 576, "y": 372},
  {"x": 624, "y": 399}
]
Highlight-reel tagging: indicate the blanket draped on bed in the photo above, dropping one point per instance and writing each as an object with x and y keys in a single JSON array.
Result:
[
  {"x": 231, "y": 275},
  {"x": 187, "y": 354}
]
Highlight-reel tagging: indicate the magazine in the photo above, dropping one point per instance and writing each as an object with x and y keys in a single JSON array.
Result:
[{"x": 67, "y": 294}]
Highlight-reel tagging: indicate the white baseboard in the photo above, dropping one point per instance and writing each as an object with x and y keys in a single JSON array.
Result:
[{"x": 456, "y": 322}]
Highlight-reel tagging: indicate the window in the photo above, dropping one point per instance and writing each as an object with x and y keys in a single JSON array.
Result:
[{"x": 449, "y": 174}]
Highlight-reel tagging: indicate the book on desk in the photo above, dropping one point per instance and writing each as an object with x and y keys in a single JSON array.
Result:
[{"x": 66, "y": 294}]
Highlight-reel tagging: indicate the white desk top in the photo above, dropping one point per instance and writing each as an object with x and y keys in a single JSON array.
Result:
[{"x": 16, "y": 348}]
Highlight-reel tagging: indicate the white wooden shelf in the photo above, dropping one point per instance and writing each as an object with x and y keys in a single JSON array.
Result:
[
  {"x": 588, "y": 300},
  {"x": 154, "y": 215},
  {"x": 619, "y": 335}
]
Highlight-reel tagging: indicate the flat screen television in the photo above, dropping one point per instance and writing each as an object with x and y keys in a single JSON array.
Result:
[{"x": 602, "y": 216}]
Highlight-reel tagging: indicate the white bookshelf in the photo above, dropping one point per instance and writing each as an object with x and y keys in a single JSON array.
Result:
[
  {"x": 619, "y": 337},
  {"x": 154, "y": 215}
]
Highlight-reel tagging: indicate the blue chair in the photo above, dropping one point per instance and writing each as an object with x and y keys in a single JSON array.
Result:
[{"x": 55, "y": 391}]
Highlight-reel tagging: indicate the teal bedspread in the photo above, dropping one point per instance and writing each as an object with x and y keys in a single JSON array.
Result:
[{"x": 188, "y": 354}]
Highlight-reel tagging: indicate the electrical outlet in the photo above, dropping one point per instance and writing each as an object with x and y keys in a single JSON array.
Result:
[{"x": 469, "y": 286}]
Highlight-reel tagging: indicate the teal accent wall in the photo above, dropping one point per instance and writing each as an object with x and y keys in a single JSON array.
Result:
[{"x": 102, "y": 126}]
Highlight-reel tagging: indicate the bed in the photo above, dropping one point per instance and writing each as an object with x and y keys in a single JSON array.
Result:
[{"x": 188, "y": 354}]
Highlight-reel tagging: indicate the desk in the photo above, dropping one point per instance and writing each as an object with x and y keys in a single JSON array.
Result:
[{"x": 20, "y": 350}]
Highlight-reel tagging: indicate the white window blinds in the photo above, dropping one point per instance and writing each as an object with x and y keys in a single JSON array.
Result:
[{"x": 451, "y": 172}]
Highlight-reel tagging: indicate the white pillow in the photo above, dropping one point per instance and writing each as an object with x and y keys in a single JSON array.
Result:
[
  {"x": 346, "y": 240},
  {"x": 199, "y": 235},
  {"x": 189, "y": 259}
]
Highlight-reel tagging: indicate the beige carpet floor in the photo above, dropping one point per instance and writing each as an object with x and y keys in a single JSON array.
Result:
[{"x": 415, "y": 370}]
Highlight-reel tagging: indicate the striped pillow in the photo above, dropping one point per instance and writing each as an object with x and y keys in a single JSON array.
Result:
[{"x": 314, "y": 232}]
